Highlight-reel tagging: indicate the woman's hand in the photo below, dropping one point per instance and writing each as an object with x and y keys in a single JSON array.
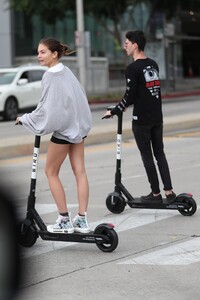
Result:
[{"x": 18, "y": 122}]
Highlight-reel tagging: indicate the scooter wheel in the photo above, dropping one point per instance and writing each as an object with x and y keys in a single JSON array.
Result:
[
  {"x": 111, "y": 234},
  {"x": 27, "y": 233},
  {"x": 115, "y": 203},
  {"x": 191, "y": 206}
]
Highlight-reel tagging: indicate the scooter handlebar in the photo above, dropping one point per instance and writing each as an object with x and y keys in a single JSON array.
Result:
[
  {"x": 110, "y": 107},
  {"x": 107, "y": 117}
]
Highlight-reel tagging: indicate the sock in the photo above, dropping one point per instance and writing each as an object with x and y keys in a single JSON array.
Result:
[
  {"x": 81, "y": 215},
  {"x": 66, "y": 214}
]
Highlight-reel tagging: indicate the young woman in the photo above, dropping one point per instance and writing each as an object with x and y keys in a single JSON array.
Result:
[{"x": 64, "y": 111}]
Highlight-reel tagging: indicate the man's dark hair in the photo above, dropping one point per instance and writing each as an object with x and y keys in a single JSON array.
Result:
[{"x": 138, "y": 37}]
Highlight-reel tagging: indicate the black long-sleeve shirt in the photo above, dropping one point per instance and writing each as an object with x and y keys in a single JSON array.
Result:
[{"x": 143, "y": 91}]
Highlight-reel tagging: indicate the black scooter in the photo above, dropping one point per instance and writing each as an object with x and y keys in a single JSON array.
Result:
[
  {"x": 117, "y": 200},
  {"x": 104, "y": 235}
]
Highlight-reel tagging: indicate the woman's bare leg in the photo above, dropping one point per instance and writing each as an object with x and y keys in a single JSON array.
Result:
[
  {"x": 55, "y": 156},
  {"x": 76, "y": 156}
]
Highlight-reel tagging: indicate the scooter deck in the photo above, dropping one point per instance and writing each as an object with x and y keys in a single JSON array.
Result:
[
  {"x": 137, "y": 203},
  {"x": 73, "y": 237}
]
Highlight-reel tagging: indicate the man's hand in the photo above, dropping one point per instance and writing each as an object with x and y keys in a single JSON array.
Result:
[{"x": 107, "y": 115}]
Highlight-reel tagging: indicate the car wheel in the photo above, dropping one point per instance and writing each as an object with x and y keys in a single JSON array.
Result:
[{"x": 11, "y": 109}]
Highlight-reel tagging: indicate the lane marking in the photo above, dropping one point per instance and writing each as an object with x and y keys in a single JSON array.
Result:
[
  {"x": 88, "y": 149},
  {"x": 128, "y": 220},
  {"x": 189, "y": 134},
  {"x": 184, "y": 253},
  {"x": 43, "y": 209}
]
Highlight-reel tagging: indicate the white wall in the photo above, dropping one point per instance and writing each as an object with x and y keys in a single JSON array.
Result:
[{"x": 97, "y": 73}]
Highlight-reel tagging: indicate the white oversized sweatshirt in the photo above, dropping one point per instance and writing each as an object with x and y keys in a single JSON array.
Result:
[{"x": 63, "y": 108}]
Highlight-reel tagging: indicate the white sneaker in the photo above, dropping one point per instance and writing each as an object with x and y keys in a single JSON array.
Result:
[
  {"x": 80, "y": 224},
  {"x": 63, "y": 225}
]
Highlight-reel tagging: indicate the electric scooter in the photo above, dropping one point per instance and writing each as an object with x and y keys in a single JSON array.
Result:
[
  {"x": 104, "y": 235},
  {"x": 120, "y": 197}
]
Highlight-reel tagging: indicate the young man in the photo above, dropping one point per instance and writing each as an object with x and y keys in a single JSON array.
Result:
[{"x": 143, "y": 91}]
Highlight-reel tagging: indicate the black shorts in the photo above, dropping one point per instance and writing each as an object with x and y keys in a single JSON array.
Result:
[{"x": 60, "y": 141}]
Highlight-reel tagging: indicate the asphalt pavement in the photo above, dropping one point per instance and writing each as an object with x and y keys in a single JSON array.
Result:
[
  {"x": 12, "y": 146},
  {"x": 155, "y": 247}
]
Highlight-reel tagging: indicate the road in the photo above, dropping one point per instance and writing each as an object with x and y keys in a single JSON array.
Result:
[
  {"x": 171, "y": 109},
  {"x": 158, "y": 256}
]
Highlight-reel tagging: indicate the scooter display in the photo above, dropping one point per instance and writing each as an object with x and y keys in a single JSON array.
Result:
[
  {"x": 104, "y": 235},
  {"x": 120, "y": 197}
]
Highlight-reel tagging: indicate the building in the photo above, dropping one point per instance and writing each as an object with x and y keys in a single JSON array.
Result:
[{"x": 174, "y": 45}]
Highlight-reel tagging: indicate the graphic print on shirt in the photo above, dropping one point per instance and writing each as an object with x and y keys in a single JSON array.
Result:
[{"x": 152, "y": 80}]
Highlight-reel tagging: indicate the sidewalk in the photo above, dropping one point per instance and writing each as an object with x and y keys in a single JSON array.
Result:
[
  {"x": 182, "y": 88},
  {"x": 106, "y": 132}
]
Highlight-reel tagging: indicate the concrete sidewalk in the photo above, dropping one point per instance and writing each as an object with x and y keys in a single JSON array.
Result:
[
  {"x": 105, "y": 132},
  {"x": 183, "y": 86}
]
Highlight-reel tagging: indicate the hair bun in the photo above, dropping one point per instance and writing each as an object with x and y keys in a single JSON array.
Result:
[{"x": 66, "y": 50}]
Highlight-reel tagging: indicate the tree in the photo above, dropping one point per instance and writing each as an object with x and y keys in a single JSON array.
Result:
[
  {"x": 105, "y": 12},
  {"x": 172, "y": 7},
  {"x": 102, "y": 11},
  {"x": 49, "y": 11},
  {"x": 112, "y": 11}
]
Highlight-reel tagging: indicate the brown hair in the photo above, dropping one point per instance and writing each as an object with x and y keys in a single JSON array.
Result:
[{"x": 54, "y": 45}]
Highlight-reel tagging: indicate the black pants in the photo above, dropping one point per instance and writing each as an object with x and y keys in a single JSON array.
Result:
[{"x": 149, "y": 139}]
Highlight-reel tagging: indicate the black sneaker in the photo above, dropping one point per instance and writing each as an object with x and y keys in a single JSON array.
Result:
[
  {"x": 171, "y": 197},
  {"x": 151, "y": 198}
]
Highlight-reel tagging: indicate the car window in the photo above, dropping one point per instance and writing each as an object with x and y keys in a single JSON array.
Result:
[
  {"x": 36, "y": 75},
  {"x": 7, "y": 77}
]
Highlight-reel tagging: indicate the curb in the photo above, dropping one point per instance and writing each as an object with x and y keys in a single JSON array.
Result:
[
  {"x": 181, "y": 94},
  {"x": 96, "y": 136},
  {"x": 163, "y": 96},
  {"x": 15, "y": 147}
]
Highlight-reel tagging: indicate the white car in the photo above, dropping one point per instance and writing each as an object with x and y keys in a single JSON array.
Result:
[{"x": 20, "y": 89}]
